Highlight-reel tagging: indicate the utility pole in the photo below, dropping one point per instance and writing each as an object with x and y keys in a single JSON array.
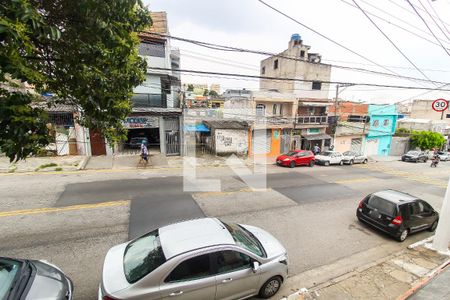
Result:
[
  {"x": 441, "y": 239},
  {"x": 336, "y": 106}
]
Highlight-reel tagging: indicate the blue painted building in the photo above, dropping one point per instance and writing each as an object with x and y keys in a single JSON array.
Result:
[{"x": 383, "y": 122}]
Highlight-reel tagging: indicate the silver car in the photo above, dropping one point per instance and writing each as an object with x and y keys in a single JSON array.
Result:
[
  {"x": 197, "y": 259},
  {"x": 352, "y": 157}
]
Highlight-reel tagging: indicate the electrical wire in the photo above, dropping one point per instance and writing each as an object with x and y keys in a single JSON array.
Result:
[
  {"x": 436, "y": 14},
  {"x": 434, "y": 21},
  {"x": 393, "y": 44},
  {"x": 228, "y": 48},
  {"x": 426, "y": 24}
]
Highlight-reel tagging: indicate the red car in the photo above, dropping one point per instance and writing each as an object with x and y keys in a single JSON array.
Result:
[{"x": 296, "y": 158}]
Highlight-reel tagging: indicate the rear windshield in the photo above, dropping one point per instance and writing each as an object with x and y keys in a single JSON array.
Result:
[
  {"x": 142, "y": 256},
  {"x": 8, "y": 272},
  {"x": 326, "y": 153},
  {"x": 382, "y": 205},
  {"x": 413, "y": 153},
  {"x": 292, "y": 153}
]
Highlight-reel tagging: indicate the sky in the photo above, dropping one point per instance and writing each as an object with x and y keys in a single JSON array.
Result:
[{"x": 250, "y": 24}]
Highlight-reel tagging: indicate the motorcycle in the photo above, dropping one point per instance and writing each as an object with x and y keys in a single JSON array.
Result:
[{"x": 434, "y": 162}]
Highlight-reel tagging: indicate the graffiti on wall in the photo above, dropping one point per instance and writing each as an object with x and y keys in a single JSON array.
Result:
[{"x": 229, "y": 141}]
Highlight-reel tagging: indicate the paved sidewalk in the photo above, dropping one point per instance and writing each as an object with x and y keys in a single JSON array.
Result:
[
  {"x": 394, "y": 277},
  {"x": 42, "y": 164}
]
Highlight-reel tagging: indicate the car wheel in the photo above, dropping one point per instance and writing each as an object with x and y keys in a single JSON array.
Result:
[
  {"x": 311, "y": 163},
  {"x": 403, "y": 235},
  {"x": 341, "y": 163},
  {"x": 292, "y": 164},
  {"x": 403, "y": 159},
  {"x": 270, "y": 287},
  {"x": 365, "y": 161},
  {"x": 351, "y": 162},
  {"x": 433, "y": 226},
  {"x": 327, "y": 163},
  {"x": 426, "y": 159}
]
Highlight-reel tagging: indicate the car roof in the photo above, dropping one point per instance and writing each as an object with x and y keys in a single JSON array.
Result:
[
  {"x": 395, "y": 196},
  {"x": 193, "y": 234}
]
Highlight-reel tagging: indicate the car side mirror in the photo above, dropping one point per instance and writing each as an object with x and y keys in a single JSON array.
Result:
[{"x": 255, "y": 266}]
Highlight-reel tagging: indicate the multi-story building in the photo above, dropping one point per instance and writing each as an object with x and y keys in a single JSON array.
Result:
[
  {"x": 296, "y": 62},
  {"x": 421, "y": 109},
  {"x": 156, "y": 108},
  {"x": 383, "y": 122}
]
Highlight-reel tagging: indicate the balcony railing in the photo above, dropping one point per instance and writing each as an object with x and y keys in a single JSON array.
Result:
[
  {"x": 312, "y": 119},
  {"x": 273, "y": 120},
  {"x": 149, "y": 100}
]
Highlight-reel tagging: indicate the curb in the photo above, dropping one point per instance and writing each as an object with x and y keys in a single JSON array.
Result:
[{"x": 424, "y": 281}]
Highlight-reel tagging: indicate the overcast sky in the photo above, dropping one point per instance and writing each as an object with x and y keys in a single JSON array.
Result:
[{"x": 250, "y": 24}]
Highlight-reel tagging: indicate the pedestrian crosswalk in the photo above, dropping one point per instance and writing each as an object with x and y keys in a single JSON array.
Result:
[{"x": 418, "y": 177}]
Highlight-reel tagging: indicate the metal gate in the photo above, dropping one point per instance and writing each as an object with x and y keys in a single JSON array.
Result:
[
  {"x": 356, "y": 145},
  {"x": 285, "y": 141},
  {"x": 172, "y": 138}
]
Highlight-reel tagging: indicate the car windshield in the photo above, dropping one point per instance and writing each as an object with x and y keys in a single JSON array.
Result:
[
  {"x": 139, "y": 140},
  {"x": 382, "y": 205},
  {"x": 413, "y": 153},
  {"x": 348, "y": 153},
  {"x": 326, "y": 153},
  {"x": 142, "y": 256},
  {"x": 8, "y": 272},
  {"x": 245, "y": 239},
  {"x": 292, "y": 153}
]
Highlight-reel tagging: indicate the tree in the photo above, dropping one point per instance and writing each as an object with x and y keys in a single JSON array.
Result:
[
  {"x": 205, "y": 92},
  {"x": 84, "y": 51},
  {"x": 427, "y": 140},
  {"x": 213, "y": 93},
  {"x": 190, "y": 88}
]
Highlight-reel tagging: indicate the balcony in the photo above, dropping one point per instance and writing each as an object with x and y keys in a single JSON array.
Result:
[
  {"x": 149, "y": 100},
  {"x": 321, "y": 120}
]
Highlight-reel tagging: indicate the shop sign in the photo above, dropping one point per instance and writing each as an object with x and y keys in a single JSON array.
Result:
[{"x": 141, "y": 122}]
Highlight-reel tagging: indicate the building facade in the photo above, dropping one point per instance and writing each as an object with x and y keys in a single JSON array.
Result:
[
  {"x": 421, "y": 109},
  {"x": 296, "y": 62},
  {"x": 383, "y": 122}
]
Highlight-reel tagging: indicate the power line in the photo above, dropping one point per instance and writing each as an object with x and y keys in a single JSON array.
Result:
[
  {"x": 417, "y": 13},
  {"x": 407, "y": 10},
  {"x": 394, "y": 24},
  {"x": 393, "y": 44},
  {"x": 389, "y": 66},
  {"x": 442, "y": 22},
  {"x": 325, "y": 37},
  {"x": 300, "y": 80},
  {"x": 434, "y": 21},
  {"x": 235, "y": 49}
]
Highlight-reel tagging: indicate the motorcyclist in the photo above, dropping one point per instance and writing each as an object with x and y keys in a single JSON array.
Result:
[{"x": 435, "y": 160}]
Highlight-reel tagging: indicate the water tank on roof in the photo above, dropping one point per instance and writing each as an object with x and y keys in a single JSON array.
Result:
[{"x": 296, "y": 37}]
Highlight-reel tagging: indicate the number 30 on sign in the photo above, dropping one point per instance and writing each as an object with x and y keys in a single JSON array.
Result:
[{"x": 440, "y": 104}]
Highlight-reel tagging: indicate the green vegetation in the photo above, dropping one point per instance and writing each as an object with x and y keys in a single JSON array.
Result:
[
  {"x": 58, "y": 169},
  {"x": 44, "y": 166},
  {"x": 402, "y": 131},
  {"x": 427, "y": 140},
  {"x": 84, "y": 52},
  {"x": 190, "y": 88}
]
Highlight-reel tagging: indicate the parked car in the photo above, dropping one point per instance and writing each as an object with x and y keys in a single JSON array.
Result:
[
  {"x": 33, "y": 279},
  {"x": 296, "y": 158},
  {"x": 137, "y": 141},
  {"x": 443, "y": 156},
  {"x": 327, "y": 158},
  {"x": 397, "y": 213},
  {"x": 415, "y": 156},
  {"x": 194, "y": 260},
  {"x": 352, "y": 157}
]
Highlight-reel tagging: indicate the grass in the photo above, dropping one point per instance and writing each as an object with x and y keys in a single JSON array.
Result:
[
  {"x": 49, "y": 165},
  {"x": 12, "y": 170},
  {"x": 58, "y": 169}
]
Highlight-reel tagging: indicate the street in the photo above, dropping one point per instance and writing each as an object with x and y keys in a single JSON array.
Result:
[{"x": 72, "y": 219}]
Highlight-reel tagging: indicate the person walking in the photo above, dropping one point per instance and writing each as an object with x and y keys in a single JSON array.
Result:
[{"x": 144, "y": 152}]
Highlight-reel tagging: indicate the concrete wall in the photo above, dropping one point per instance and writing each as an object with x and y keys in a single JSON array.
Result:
[
  {"x": 421, "y": 109},
  {"x": 231, "y": 141},
  {"x": 400, "y": 145}
]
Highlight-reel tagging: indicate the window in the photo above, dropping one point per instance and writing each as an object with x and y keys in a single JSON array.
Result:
[
  {"x": 281, "y": 110},
  {"x": 229, "y": 261},
  {"x": 383, "y": 206},
  {"x": 415, "y": 208},
  {"x": 302, "y": 53},
  {"x": 263, "y": 70},
  {"x": 191, "y": 269},
  {"x": 156, "y": 50},
  {"x": 375, "y": 123},
  {"x": 386, "y": 122},
  {"x": 260, "y": 110},
  {"x": 245, "y": 239},
  {"x": 9, "y": 270},
  {"x": 275, "y": 110},
  {"x": 275, "y": 64},
  {"x": 143, "y": 256},
  {"x": 316, "y": 85}
]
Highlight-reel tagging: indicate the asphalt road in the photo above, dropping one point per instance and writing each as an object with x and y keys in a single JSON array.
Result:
[{"x": 73, "y": 219}]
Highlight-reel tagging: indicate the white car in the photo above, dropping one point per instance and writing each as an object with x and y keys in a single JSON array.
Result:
[
  {"x": 443, "y": 156},
  {"x": 352, "y": 157},
  {"x": 327, "y": 158}
]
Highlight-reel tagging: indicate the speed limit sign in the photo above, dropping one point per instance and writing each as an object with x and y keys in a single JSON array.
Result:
[{"x": 440, "y": 104}]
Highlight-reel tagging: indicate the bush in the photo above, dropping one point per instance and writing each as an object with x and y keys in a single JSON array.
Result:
[{"x": 427, "y": 140}]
